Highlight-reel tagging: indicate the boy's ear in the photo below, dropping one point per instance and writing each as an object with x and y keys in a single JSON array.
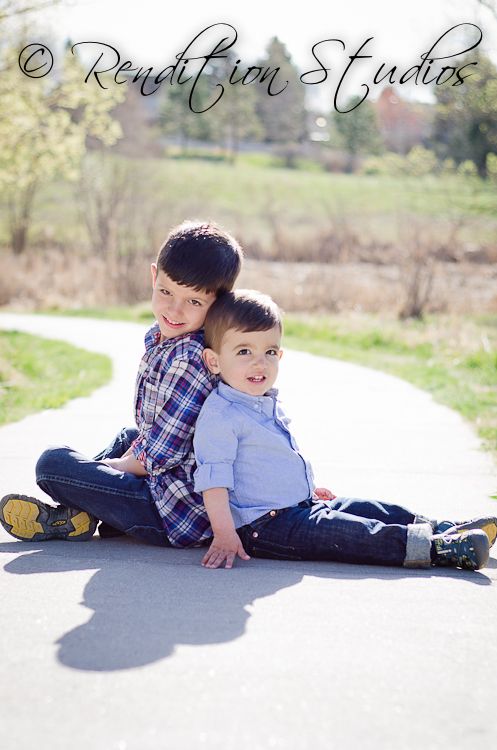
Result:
[
  {"x": 153, "y": 270},
  {"x": 280, "y": 353},
  {"x": 211, "y": 361}
]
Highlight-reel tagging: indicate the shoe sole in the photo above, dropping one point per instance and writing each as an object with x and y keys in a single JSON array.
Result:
[
  {"x": 478, "y": 551},
  {"x": 471, "y": 552},
  {"x": 487, "y": 524},
  {"x": 480, "y": 547},
  {"x": 28, "y": 519}
]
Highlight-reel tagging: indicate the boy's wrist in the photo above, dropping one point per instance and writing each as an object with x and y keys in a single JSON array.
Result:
[{"x": 223, "y": 528}]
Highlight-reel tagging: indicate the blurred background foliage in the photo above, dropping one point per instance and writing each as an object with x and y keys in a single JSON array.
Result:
[
  {"x": 391, "y": 207},
  {"x": 375, "y": 230}
]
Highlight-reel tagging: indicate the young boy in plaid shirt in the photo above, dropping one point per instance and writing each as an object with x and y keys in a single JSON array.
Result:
[{"x": 142, "y": 484}]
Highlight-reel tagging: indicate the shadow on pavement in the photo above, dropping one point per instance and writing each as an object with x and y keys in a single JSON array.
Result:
[{"x": 147, "y": 600}]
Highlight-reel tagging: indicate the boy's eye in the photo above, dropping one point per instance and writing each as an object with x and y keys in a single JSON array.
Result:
[
  {"x": 272, "y": 352},
  {"x": 195, "y": 302},
  {"x": 165, "y": 292},
  {"x": 244, "y": 351}
]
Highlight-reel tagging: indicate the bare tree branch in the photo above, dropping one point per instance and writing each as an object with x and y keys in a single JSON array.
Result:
[{"x": 11, "y": 8}]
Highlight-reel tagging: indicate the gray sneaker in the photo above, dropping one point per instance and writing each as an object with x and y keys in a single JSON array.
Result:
[
  {"x": 31, "y": 520},
  {"x": 467, "y": 549}
]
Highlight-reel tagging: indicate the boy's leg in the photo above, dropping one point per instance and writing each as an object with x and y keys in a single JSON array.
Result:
[
  {"x": 319, "y": 531},
  {"x": 119, "y": 444},
  {"x": 120, "y": 499},
  {"x": 386, "y": 512},
  {"x": 115, "y": 449}
]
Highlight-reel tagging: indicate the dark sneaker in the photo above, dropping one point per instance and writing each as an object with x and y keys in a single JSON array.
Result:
[
  {"x": 443, "y": 526},
  {"x": 488, "y": 524},
  {"x": 32, "y": 520},
  {"x": 467, "y": 549}
]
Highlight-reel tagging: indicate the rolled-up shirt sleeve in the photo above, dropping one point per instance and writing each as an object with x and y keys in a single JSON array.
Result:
[
  {"x": 170, "y": 410},
  {"x": 215, "y": 444}
]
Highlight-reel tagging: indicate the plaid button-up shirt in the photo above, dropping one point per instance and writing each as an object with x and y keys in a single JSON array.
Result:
[{"x": 171, "y": 386}]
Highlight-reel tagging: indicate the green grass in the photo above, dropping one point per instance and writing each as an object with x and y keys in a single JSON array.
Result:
[
  {"x": 38, "y": 373},
  {"x": 452, "y": 357},
  {"x": 247, "y": 197}
]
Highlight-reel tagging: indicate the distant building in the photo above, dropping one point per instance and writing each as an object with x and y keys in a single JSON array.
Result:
[{"x": 402, "y": 124}]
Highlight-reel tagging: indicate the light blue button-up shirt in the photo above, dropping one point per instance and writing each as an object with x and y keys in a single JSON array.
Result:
[{"x": 243, "y": 443}]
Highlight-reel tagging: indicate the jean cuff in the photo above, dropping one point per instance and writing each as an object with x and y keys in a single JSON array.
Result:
[
  {"x": 423, "y": 519},
  {"x": 418, "y": 546}
]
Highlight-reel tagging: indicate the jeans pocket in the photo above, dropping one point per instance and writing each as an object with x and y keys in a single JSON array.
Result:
[
  {"x": 260, "y": 539},
  {"x": 273, "y": 551}
]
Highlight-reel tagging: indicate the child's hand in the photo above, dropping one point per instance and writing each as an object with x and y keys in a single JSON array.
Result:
[
  {"x": 224, "y": 546},
  {"x": 127, "y": 463},
  {"x": 321, "y": 493}
]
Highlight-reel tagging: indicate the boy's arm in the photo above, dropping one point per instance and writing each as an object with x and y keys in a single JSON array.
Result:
[
  {"x": 165, "y": 437},
  {"x": 216, "y": 445},
  {"x": 226, "y": 544}
]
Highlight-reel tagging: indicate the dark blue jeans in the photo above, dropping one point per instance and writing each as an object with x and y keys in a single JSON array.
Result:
[
  {"x": 343, "y": 530},
  {"x": 118, "y": 498}
]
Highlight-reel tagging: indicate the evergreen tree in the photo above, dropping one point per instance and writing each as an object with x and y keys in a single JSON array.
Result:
[
  {"x": 357, "y": 130},
  {"x": 283, "y": 115}
]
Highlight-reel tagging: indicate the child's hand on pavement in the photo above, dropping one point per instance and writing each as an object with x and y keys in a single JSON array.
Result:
[
  {"x": 224, "y": 547},
  {"x": 321, "y": 493}
]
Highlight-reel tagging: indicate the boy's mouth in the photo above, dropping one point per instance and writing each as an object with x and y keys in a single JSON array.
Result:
[
  {"x": 257, "y": 379},
  {"x": 172, "y": 323}
]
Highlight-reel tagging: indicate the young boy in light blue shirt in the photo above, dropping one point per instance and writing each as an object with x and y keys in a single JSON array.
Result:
[{"x": 258, "y": 489}]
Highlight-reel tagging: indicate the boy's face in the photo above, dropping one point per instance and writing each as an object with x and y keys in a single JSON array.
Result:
[
  {"x": 247, "y": 361},
  {"x": 177, "y": 309}
]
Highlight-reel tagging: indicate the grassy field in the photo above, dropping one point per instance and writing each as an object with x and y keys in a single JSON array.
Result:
[
  {"x": 453, "y": 358},
  {"x": 38, "y": 373},
  {"x": 249, "y": 197}
]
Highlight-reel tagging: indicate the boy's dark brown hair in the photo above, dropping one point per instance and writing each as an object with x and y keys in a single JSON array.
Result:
[
  {"x": 201, "y": 255},
  {"x": 241, "y": 310}
]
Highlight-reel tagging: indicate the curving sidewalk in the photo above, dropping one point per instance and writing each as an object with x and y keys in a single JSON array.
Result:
[{"x": 271, "y": 654}]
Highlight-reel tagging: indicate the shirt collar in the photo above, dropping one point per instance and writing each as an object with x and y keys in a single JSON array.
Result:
[{"x": 264, "y": 404}]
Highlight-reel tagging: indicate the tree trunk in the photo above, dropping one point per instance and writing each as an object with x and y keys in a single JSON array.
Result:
[{"x": 20, "y": 208}]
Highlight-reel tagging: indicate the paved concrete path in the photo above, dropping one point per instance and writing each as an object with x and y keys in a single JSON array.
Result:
[{"x": 114, "y": 645}]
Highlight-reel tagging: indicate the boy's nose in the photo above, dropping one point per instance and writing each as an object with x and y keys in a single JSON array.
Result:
[{"x": 176, "y": 308}]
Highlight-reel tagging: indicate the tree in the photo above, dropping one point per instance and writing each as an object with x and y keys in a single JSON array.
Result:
[
  {"x": 232, "y": 119},
  {"x": 282, "y": 115},
  {"x": 13, "y": 8},
  {"x": 357, "y": 130},
  {"x": 490, "y": 4},
  {"x": 44, "y": 127},
  {"x": 184, "y": 118},
  {"x": 466, "y": 119}
]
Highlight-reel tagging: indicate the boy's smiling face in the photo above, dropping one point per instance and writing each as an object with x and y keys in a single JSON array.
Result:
[
  {"x": 177, "y": 309},
  {"x": 247, "y": 361}
]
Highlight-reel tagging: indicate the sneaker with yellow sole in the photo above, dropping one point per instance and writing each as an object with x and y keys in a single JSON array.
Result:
[
  {"x": 488, "y": 524},
  {"x": 32, "y": 520}
]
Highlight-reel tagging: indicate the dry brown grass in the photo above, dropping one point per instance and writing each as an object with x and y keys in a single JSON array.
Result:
[{"x": 53, "y": 279}]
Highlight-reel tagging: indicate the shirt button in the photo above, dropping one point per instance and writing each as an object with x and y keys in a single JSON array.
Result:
[
  {"x": 273, "y": 513},
  {"x": 255, "y": 534}
]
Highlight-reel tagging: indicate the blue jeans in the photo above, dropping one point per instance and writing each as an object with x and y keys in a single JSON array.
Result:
[
  {"x": 118, "y": 498},
  {"x": 343, "y": 530}
]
